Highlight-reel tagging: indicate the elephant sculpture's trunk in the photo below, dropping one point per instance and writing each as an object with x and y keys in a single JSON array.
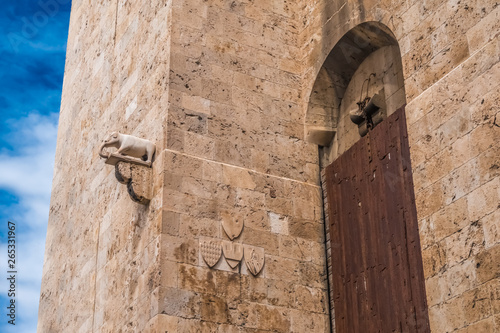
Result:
[{"x": 104, "y": 145}]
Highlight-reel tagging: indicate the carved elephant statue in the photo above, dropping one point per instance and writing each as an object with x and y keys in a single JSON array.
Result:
[{"x": 129, "y": 145}]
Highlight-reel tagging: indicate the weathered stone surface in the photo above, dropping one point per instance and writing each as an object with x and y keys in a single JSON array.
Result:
[
  {"x": 491, "y": 226},
  {"x": 433, "y": 259},
  {"x": 179, "y": 303},
  {"x": 484, "y": 200},
  {"x": 487, "y": 325},
  {"x": 488, "y": 264},
  {"x": 450, "y": 219},
  {"x": 463, "y": 244}
]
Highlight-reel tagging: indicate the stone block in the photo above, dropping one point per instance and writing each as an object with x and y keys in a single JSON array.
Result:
[
  {"x": 461, "y": 151},
  {"x": 480, "y": 63},
  {"x": 450, "y": 219},
  {"x": 197, "y": 279},
  {"x": 435, "y": 290},
  {"x": 491, "y": 227},
  {"x": 278, "y": 223},
  {"x": 461, "y": 182},
  {"x": 484, "y": 137},
  {"x": 488, "y": 264},
  {"x": 254, "y": 290},
  {"x": 484, "y": 200},
  {"x": 489, "y": 164},
  {"x": 199, "y": 145},
  {"x": 170, "y": 223},
  {"x": 438, "y": 166},
  {"x": 310, "y": 299},
  {"x": 307, "y": 229},
  {"x": 486, "y": 325},
  {"x": 273, "y": 319},
  {"x": 429, "y": 200},
  {"x": 463, "y": 244},
  {"x": 460, "y": 278},
  {"x": 311, "y": 275},
  {"x": 434, "y": 260},
  {"x": 485, "y": 108},
  {"x": 179, "y": 303},
  {"x": 426, "y": 232},
  {"x": 311, "y": 322},
  {"x": 477, "y": 304},
  {"x": 494, "y": 293},
  {"x": 229, "y": 286},
  {"x": 476, "y": 36},
  {"x": 448, "y": 316},
  {"x": 214, "y": 309},
  {"x": 161, "y": 323},
  {"x": 169, "y": 273},
  {"x": 195, "y": 325},
  {"x": 179, "y": 249},
  {"x": 238, "y": 177},
  {"x": 193, "y": 227}
]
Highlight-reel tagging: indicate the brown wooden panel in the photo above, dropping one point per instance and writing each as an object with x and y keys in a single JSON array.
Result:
[{"x": 378, "y": 282}]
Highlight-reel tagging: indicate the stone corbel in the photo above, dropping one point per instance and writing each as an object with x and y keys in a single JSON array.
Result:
[
  {"x": 133, "y": 161},
  {"x": 138, "y": 179},
  {"x": 320, "y": 135}
]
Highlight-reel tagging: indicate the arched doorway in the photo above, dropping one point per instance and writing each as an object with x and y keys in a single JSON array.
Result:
[{"x": 356, "y": 116}]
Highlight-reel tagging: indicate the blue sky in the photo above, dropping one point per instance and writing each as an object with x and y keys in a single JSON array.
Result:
[{"x": 33, "y": 38}]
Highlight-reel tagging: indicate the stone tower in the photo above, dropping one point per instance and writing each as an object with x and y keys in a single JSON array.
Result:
[{"x": 247, "y": 101}]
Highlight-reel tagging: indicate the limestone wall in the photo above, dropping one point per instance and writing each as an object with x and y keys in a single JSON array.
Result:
[
  {"x": 213, "y": 85},
  {"x": 236, "y": 152},
  {"x": 102, "y": 250}
]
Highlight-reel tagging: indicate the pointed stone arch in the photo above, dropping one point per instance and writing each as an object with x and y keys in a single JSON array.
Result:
[
  {"x": 364, "y": 63},
  {"x": 328, "y": 95}
]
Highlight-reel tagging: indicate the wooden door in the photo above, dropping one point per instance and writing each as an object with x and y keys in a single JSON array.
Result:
[{"x": 378, "y": 281}]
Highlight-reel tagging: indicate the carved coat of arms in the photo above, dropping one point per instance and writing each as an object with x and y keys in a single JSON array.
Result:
[
  {"x": 233, "y": 228},
  {"x": 211, "y": 251},
  {"x": 254, "y": 258},
  {"x": 233, "y": 252}
]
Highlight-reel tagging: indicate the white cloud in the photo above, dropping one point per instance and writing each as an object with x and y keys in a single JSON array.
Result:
[
  {"x": 26, "y": 172},
  {"x": 29, "y": 171}
]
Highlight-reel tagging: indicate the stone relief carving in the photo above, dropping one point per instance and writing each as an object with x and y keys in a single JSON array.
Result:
[
  {"x": 232, "y": 228},
  {"x": 233, "y": 252},
  {"x": 129, "y": 149},
  {"x": 254, "y": 258},
  {"x": 132, "y": 160},
  {"x": 211, "y": 251}
]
